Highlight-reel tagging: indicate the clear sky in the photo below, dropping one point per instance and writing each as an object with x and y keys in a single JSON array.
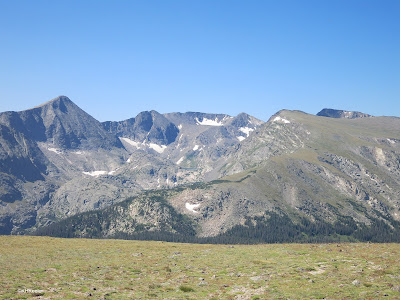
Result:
[{"x": 117, "y": 58}]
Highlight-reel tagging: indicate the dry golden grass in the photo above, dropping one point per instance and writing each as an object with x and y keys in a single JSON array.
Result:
[{"x": 48, "y": 268}]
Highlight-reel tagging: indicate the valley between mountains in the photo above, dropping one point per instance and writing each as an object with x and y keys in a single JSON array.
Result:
[{"x": 200, "y": 177}]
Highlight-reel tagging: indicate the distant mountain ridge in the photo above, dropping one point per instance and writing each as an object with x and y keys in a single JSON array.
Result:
[
  {"x": 335, "y": 113},
  {"x": 304, "y": 179},
  {"x": 205, "y": 175},
  {"x": 55, "y": 155}
]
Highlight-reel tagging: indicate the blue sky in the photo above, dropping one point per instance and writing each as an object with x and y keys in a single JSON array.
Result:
[{"x": 117, "y": 58}]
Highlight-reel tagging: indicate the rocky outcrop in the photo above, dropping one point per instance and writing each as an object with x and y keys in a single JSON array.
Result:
[{"x": 335, "y": 113}]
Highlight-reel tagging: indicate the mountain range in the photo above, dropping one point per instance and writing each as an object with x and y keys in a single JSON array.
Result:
[{"x": 198, "y": 176}]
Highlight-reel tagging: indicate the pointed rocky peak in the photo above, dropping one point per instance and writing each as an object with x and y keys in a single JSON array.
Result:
[
  {"x": 144, "y": 121},
  {"x": 148, "y": 120},
  {"x": 162, "y": 131},
  {"x": 146, "y": 127},
  {"x": 342, "y": 114},
  {"x": 63, "y": 124},
  {"x": 245, "y": 120},
  {"x": 60, "y": 104},
  {"x": 56, "y": 101}
]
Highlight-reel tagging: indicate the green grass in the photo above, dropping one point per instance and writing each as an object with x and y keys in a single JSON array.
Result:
[
  {"x": 116, "y": 269},
  {"x": 186, "y": 289}
]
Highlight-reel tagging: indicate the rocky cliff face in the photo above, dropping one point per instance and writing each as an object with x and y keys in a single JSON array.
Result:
[{"x": 20, "y": 157}]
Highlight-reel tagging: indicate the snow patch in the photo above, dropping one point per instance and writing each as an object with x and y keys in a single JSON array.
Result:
[
  {"x": 391, "y": 141},
  {"x": 192, "y": 207},
  {"x": 55, "y": 150},
  {"x": 113, "y": 172},
  {"x": 95, "y": 173},
  {"x": 195, "y": 147},
  {"x": 246, "y": 130},
  {"x": 348, "y": 114},
  {"x": 78, "y": 152},
  {"x": 129, "y": 160},
  {"x": 130, "y": 142},
  {"x": 180, "y": 160},
  {"x": 180, "y": 126},
  {"x": 241, "y": 138},
  {"x": 157, "y": 148},
  {"x": 209, "y": 122},
  {"x": 282, "y": 120}
]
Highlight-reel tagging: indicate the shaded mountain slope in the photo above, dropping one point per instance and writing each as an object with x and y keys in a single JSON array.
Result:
[
  {"x": 41, "y": 149},
  {"x": 19, "y": 156}
]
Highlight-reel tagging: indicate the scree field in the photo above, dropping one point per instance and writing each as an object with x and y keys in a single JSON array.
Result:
[{"x": 48, "y": 268}]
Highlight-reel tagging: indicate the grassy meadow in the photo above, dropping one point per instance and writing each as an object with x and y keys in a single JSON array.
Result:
[{"x": 48, "y": 268}]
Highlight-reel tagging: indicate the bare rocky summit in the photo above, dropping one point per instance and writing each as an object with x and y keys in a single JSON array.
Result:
[{"x": 335, "y": 113}]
